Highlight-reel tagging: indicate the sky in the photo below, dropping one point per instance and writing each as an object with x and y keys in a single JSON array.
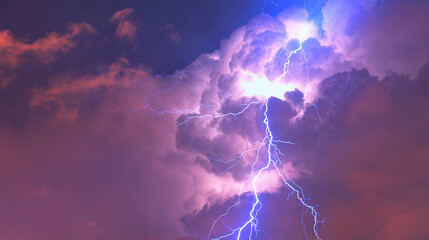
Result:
[{"x": 146, "y": 120}]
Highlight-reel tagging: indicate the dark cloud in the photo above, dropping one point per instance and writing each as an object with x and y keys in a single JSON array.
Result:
[{"x": 295, "y": 98}]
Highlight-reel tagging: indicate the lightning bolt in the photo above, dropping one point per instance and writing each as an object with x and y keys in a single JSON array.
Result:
[{"x": 273, "y": 161}]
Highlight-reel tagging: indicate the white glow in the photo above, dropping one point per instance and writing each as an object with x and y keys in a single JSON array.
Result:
[
  {"x": 301, "y": 30},
  {"x": 253, "y": 85}
]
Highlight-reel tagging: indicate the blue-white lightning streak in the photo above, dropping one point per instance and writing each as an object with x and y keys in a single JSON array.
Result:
[{"x": 273, "y": 161}]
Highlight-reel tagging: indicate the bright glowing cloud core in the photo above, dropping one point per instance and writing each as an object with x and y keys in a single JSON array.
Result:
[
  {"x": 300, "y": 30},
  {"x": 253, "y": 85}
]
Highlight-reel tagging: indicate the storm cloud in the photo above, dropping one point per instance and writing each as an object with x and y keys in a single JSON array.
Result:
[{"x": 113, "y": 150}]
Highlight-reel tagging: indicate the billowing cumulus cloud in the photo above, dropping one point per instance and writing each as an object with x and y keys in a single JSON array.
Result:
[{"x": 117, "y": 152}]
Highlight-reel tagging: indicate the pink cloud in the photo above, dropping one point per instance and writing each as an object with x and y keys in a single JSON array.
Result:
[
  {"x": 14, "y": 51},
  {"x": 44, "y": 49},
  {"x": 63, "y": 94},
  {"x": 126, "y": 28}
]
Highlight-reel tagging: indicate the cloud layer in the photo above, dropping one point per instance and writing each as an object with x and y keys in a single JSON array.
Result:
[{"x": 101, "y": 155}]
